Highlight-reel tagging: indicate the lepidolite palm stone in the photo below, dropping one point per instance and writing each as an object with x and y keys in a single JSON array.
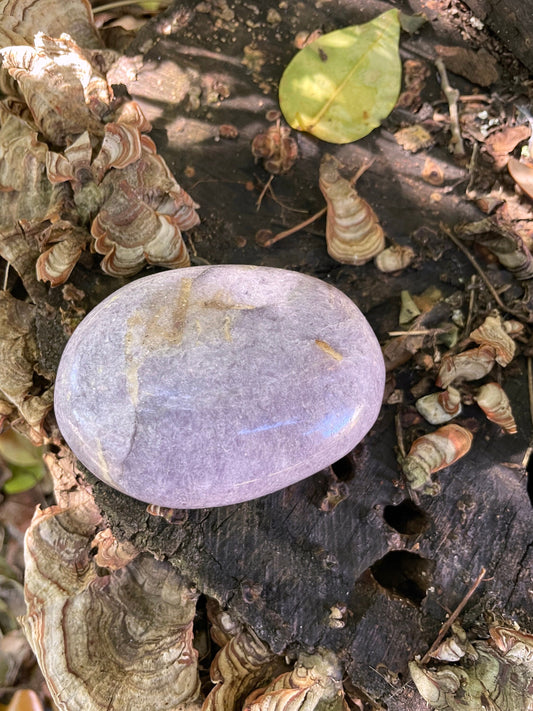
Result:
[{"x": 214, "y": 385}]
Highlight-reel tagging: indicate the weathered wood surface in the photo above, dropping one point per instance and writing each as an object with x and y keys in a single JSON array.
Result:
[
  {"x": 512, "y": 22},
  {"x": 281, "y": 562}
]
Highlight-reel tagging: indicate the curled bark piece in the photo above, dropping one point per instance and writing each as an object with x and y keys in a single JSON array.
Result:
[
  {"x": 494, "y": 402},
  {"x": 314, "y": 683},
  {"x": 353, "y": 233},
  {"x": 468, "y": 365},
  {"x": 438, "y": 408},
  {"x": 433, "y": 452},
  {"x": 493, "y": 333},
  {"x": 103, "y": 642}
]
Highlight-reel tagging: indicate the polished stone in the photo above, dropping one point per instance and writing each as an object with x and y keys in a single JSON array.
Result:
[{"x": 213, "y": 385}]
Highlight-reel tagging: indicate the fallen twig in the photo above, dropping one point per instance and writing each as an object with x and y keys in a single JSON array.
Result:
[
  {"x": 451, "y": 619},
  {"x": 471, "y": 303},
  {"x": 263, "y": 192},
  {"x": 481, "y": 273},
  {"x": 530, "y": 386},
  {"x": 452, "y": 97},
  {"x": 294, "y": 229}
]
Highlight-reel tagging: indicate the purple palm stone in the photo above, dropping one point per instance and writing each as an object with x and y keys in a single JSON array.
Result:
[{"x": 213, "y": 385}]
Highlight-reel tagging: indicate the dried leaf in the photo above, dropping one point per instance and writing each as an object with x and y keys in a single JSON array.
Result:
[
  {"x": 408, "y": 309},
  {"x": 413, "y": 138},
  {"x": 317, "y": 88},
  {"x": 500, "y": 143},
  {"x": 416, "y": 72},
  {"x": 15, "y": 654},
  {"x": 522, "y": 174}
]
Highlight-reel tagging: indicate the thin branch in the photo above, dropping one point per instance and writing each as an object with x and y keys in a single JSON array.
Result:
[
  {"x": 399, "y": 434},
  {"x": 122, "y": 3},
  {"x": 263, "y": 192},
  {"x": 471, "y": 303},
  {"x": 452, "y": 97},
  {"x": 6, "y": 276},
  {"x": 420, "y": 332},
  {"x": 367, "y": 163},
  {"x": 296, "y": 228},
  {"x": 481, "y": 273},
  {"x": 451, "y": 619},
  {"x": 472, "y": 165},
  {"x": 530, "y": 387}
]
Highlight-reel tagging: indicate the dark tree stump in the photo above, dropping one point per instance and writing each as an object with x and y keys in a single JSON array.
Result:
[
  {"x": 511, "y": 22},
  {"x": 389, "y": 566}
]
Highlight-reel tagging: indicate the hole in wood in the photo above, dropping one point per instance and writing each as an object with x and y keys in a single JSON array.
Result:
[
  {"x": 529, "y": 469},
  {"x": 404, "y": 574},
  {"x": 344, "y": 468},
  {"x": 406, "y": 517}
]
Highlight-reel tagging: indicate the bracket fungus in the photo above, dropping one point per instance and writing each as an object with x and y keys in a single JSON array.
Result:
[
  {"x": 494, "y": 673},
  {"x": 105, "y": 639},
  {"x": 236, "y": 381},
  {"x": 353, "y": 233}
]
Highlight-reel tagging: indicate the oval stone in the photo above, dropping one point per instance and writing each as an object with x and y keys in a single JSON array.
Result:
[{"x": 213, "y": 385}]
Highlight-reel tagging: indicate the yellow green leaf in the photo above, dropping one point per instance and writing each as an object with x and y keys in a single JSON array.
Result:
[
  {"x": 342, "y": 85},
  {"x": 23, "y": 478},
  {"x": 24, "y": 460}
]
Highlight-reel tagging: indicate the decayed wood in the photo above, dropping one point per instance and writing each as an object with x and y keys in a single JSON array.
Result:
[
  {"x": 346, "y": 559},
  {"x": 511, "y": 22}
]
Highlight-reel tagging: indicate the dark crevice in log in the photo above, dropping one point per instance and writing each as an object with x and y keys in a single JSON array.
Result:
[
  {"x": 405, "y": 574},
  {"x": 406, "y": 517}
]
